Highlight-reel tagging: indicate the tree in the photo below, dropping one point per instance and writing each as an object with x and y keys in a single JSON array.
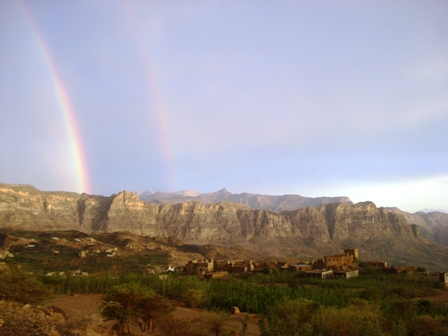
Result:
[
  {"x": 290, "y": 318},
  {"x": 153, "y": 308},
  {"x": 193, "y": 298},
  {"x": 359, "y": 319},
  {"x": 134, "y": 302},
  {"x": 218, "y": 325},
  {"x": 17, "y": 285}
]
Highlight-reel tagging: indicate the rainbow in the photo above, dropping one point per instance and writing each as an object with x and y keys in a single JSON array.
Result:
[
  {"x": 71, "y": 127},
  {"x": 162, "y": 125},
  {"x": 158, "y": 109}
]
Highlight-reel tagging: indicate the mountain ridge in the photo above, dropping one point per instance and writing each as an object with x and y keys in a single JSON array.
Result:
[
  {"x": 307, "y": 233},
  {"x": 275, "y": 203}
]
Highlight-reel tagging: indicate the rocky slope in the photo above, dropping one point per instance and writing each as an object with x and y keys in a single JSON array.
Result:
[
  {"x": 309, "y": 232},
  {"x": 434, "y": 225},
  {"x": 254, "y": 201}
]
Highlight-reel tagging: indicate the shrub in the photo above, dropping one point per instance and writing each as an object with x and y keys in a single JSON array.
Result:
[
  {"x": 20, "y": 286},
  {"x": 193, "y": 298},
  {"x": 134, "y": 302}
]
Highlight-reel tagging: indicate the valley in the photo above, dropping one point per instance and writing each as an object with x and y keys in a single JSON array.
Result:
[{"x": 69, "y": 258}]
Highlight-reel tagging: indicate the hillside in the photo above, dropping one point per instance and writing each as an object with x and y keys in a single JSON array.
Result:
[{"x": 307, "y": 233}]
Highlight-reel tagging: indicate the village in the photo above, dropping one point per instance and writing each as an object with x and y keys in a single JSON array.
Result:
[{"x": 344, "y": 265}]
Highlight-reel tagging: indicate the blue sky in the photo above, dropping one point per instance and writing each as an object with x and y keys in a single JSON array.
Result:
[{"x": 324, "y": 98}]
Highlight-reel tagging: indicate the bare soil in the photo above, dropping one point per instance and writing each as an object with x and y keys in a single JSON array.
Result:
[
  {"x": 88, "y": 305},
  {"x": 441, "y": 298}
]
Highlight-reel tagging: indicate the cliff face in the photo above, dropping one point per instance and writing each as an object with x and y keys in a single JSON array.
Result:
[
  {"x": 25, "y": 207},
  {"x": 434, "y": 225},
  {"x": 309, "y": 232}
]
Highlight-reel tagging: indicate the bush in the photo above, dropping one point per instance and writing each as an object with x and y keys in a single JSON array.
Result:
[
  {"x": 134, "y": 302},
  {"x": 193, "y": 298},
  {"x": 20, "y": 286},
  {"x": 290, "y": 318},
  {"x": 356, "y": 320}
]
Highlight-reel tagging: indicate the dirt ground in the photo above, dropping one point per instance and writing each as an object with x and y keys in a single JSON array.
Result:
[
  {"x": 442, "y": 298},
  {"x": 89, "y": 305}
]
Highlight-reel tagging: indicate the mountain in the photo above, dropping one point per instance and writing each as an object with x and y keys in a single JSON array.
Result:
[
  {"x": 307, "y": 233},
  {"x": 434, "y": 225},
  {"x": 254, "y": 201},
  {"x": 178, "y": 254}
]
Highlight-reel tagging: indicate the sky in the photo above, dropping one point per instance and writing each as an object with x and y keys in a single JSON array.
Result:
[{"x": 316, "y": 98}]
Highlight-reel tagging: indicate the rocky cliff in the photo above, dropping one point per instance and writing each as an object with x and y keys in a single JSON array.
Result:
[{"x": 309, "y": 232}]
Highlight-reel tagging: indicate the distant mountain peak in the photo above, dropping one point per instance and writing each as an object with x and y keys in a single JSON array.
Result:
[
  {"x": 434, "y": 210},
  {"x": 256, "y": 201},
  {"x": 223, "y": 191},
  {"x": 188, "y": 193}
]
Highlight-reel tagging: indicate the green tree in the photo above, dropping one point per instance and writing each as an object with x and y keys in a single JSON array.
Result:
[
  {"x": 153, "y": 307},
  {"x": 134, "y": 302},
  {"x": 20, "y": 286},
  {"x": 359, "y": 319},
  {"x": 290, "y": 318},
  {"x": 193, "y": 298}
]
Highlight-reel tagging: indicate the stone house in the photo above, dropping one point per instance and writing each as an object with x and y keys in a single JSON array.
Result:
[
  {"x": 343, "y": 261},
  {"x": 300, "y": 268},
  {"x": 220, "y": 264},
  {"x": 352, "y": 252},
  {"x": 196, "y": 267},
  {"x": 282, "y": 265},
  {"x": 443, "y": 277},
  {"x": 376, "y": 264},
  {"x": 346, "y": 274},
  {"x": 320, "y": 274},
  {"x": 239, "y": 267},
  {"x": 399, "y": 269},
  {"x": 216, "y": 275},
  {"x": 337, "y": 261}
]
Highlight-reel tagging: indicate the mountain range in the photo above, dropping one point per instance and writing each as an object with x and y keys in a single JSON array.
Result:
[
  {"x": 307, "y": 232},
  {"x": 254, "y": 201}
]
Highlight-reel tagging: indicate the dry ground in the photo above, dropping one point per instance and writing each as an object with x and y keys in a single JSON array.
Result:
[
  {"x": 88, "y": 305},
  {"x": 439, "y": 299}
]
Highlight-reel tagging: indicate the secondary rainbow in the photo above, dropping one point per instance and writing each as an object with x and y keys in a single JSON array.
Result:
[
  {"x": 73, "y": 135},
  {"x": 157, "y": 106}
]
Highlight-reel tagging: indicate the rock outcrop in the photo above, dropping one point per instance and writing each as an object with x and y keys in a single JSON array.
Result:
[{"x": 309, "y": 232}]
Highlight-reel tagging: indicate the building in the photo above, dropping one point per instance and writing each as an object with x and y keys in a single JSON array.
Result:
[
  {"x": 344, "y": 261},
  {"x": 352, "y": 252},
  {"x": 216, "y": 275},
  {"x": 444, "y": 279},
  {"x": 338, "y": 261},
  {"x": 346, "y": 274},
  {"x": 300, "y": 268},
  {"x": 320, "y": 274},
  {"x": 376, "y": 264},
  {"x": 399, "y": 269},
  {"x": 282, "y": 265},
  {"x": 220, "y": 264},
  {"x": 199, "y": 267}
]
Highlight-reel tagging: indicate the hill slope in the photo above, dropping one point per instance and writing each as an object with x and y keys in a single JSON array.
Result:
[{"x": 309, "y": 232}]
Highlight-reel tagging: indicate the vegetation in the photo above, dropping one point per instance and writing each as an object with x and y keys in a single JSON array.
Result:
[
  {"x": 287, "y": 302},
  {"x": 377, "y": 304},
  {"x": 19, "y": 286},
  {"x": 134, "y": 302}
]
